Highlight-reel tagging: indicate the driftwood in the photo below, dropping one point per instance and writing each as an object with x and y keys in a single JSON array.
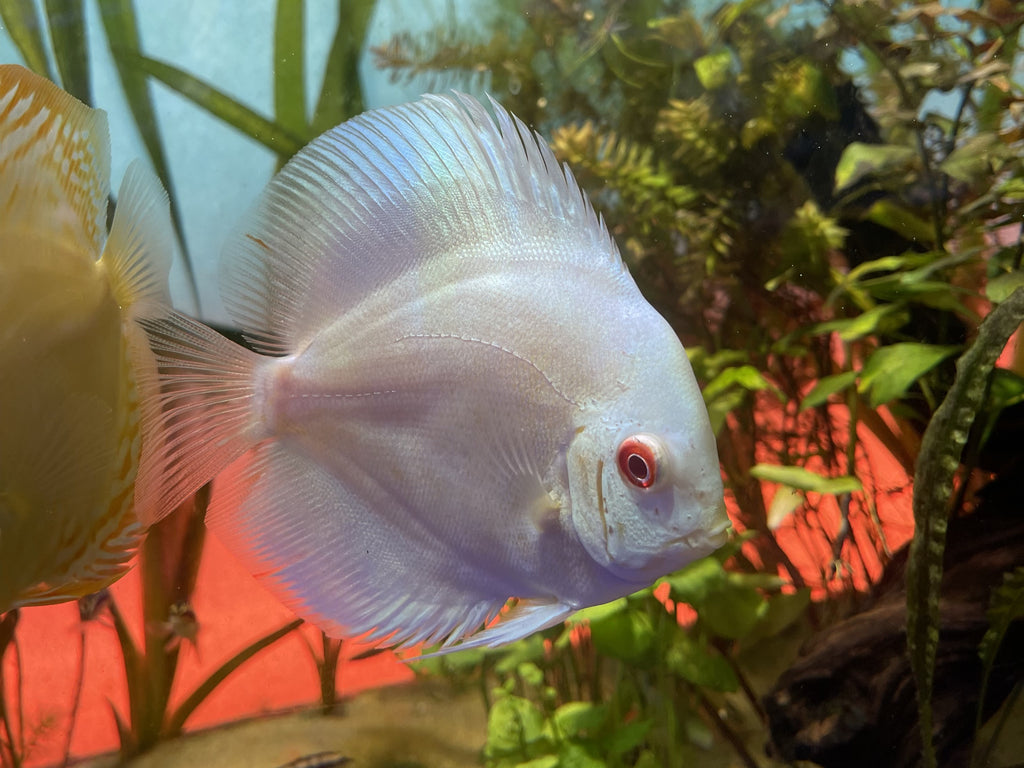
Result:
[{"x": 850, "y": 699}]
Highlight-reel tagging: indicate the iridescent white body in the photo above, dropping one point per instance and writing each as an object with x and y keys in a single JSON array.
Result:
[{"x": 460, "y": 355}]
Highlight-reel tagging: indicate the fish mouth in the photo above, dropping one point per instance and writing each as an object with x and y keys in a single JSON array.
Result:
[{"x": 706, "y": 540}]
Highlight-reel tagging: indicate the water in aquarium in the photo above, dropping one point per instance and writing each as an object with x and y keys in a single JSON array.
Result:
[{"x": 516, "y": 384}]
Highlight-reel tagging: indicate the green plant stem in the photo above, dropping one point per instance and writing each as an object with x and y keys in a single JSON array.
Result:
[
  {"x": 941, "y": 449},
  {"x": 748, "y": 689},
  {"x": 737, "y": 743},
  {"x": 328, "y": 672},
  {"x": 76, "y": 696}
]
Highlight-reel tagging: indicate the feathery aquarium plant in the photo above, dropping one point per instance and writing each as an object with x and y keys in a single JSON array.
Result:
[{"x": 824, "y": 199}]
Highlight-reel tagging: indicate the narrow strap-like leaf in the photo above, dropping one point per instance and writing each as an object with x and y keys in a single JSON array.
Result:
[
  {"x": 941, "y": 447},
  {"x": 180, "y": 715},
  {"x": 270, "y": 134},
  {"x": 289, "y": 66},
  {"x": 70, "y": 47},
  {"x": 341, "y": 95},
  {"x": 122, "y": 29},
  {"x": 25, "y": 28}
]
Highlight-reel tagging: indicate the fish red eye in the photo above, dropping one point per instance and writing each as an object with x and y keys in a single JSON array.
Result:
[{"x": 638, "y": 460}]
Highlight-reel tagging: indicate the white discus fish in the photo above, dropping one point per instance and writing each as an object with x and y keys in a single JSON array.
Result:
[{"x": 462, "y": 396}]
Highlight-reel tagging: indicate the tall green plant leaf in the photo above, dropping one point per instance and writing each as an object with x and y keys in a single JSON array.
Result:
[
  {"x": 267, "y": 132},
  {"x": 341, "y": 95},
  {"x": 23, "y": 24},
  {"x": 204, "y": 689},
  {"x": 121, "y": 25},
  {"x": 941, "y": 447},
  {"x": 1005, "y": 607},
  {"x": 70, "y": 49},
  {"x": 289, "y": 66}
]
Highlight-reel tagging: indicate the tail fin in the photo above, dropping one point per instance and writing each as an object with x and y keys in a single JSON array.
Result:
[{"x": 204, "y": 416}]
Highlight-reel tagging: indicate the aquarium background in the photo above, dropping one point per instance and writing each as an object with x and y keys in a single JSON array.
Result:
[{"x": 824, "y": 199}]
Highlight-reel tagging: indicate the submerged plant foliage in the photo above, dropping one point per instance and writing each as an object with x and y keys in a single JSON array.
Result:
[{"x": 824, "y": 199}]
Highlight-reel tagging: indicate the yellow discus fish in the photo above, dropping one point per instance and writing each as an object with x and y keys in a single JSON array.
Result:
[{"x": 72, "y": 357}]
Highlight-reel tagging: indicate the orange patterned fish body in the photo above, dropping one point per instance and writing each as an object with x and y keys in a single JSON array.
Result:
[{"x": 73, "y": 355}]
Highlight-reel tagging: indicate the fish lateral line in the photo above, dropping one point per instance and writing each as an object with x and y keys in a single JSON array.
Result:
[{"x": 497, "y": 346}]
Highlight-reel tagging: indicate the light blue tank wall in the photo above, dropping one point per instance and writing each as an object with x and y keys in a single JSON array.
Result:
[{"x": 217, "y": 172}]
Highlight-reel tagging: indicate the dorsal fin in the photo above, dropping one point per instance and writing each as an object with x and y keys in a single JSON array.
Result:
[
  {"x": 54, "y": 160},
  {"x": 411, "y": 187}
]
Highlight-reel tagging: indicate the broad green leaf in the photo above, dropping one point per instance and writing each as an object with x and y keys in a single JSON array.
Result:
[
  {"x": 859, "y": 161},
  {"x": 729, "y": 604},
  {"x": 576, "y": 756},
  {"x": 696, "y": 581},
  {"x": 341, "y": 95},
  {"x": 973, "y": 160},
  {"x": 805, "y": 480},
  {"x": 893, "y": 369},
  {"x": 891, "y": 215},
  {"x": 999, "y": 288},
  {"x": 715, "y": 69},
  {"x": 530, "y": 673},
  {"x": 827, "y": 386},
  {"x": 289, "y": 66},
  {"x": 545, "y": 761},
  {"x": 722, "y": 406},
  {"x": 784, "y": 503},
  {"x": 734, "y": 610},
  {"x": 599, "y": 612},
  {"x": 625, "y": 737},
  {"x": 627, "y": 635},
  {"x": 270, "y": 134},
  {"x": 21, "y": 19},
  {"x": 783, "y": 610},
  {"x": 515, "y": 726},
  {"x": 67, "y": 31},
  {"x": 1012, "y": 189},
  {"x": 744, "y": 376},
  {"x": 695, "y": 662},
  {"x": 807, "y": 91},
  {"x": 879, "y": 319},
  {"x": 580, "y": 717}
]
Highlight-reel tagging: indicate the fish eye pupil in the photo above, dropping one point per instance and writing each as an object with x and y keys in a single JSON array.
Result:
[
  {"x": 638, "y": 467},
  {"x": 638, "y": 460}
]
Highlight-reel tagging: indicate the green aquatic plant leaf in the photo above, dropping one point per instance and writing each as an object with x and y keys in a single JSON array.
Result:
[
  {"x": 289, "y": 66},
  {"x": 516, "y": 728},
  {"x": 695, "y": 662},
  {"x": 122, "y": 29},
  {"x": 860, "y": 161},
  {"x": 70, "y": 46},
  {"x": 176, "y": 719},
  {"x": 23, "y": 24},
  {"x": 341, "y": 95},
  {"x": 805, "y": 480},
  {"x": 1006, "y": 605},
  {"x": 892, "y": 370},
  {"x": 941, "y": 447},
  {"x": 269, "y": 133},
  {"x": 827, "y": 386}
]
